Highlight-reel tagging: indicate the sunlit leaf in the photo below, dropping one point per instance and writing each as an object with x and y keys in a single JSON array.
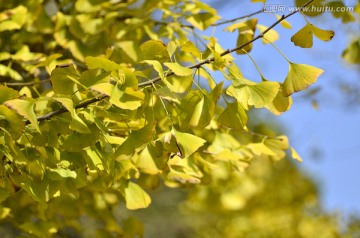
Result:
[
  {"x": 295, "y": 155},
  {"x": 154, "y": 50},
  {"x": 136, "y": 197},
  {"x": 234, "y": 116},
  {"x": 24, "y": 108},
  {"x": 7, "y": 94},
  {"x": 178, "y": 69},
  {"x": 303, "y": 37},
  {"x": 300, "y": 77},
  {"x": 270, "y": 36},
  {"x": 188, "y": 143},
  {"x": 134, "y": 142}
]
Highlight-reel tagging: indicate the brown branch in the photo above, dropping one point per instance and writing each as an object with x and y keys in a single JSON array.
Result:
[
  {"x": 226, "y": 52},
  {"x": 198, "y": 65}
]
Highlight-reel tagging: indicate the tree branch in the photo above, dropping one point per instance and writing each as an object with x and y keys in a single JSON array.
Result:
[
  {"x": 26, "y": 83},
  {"x": 198, "y": 65}
]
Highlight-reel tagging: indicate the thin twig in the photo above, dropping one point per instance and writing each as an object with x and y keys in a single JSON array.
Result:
[
  {"x": 226, "y": 52},
  {"x": 216, "y": 24},
  {"x": 198, "y": 65},
  {"x": 26, "y": 83}
]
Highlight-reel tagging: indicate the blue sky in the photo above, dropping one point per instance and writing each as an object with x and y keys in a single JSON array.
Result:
[{"x": 326, "y": 138}]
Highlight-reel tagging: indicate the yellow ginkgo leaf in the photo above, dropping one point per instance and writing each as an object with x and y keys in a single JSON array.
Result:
[
  {"x": 303, "y": 37},
  {"x": 284, "y": 23},
  {"x": 295, "y": 155},
  {"x": 270, "y": 36},
  {"x": 300, "y": 77},
  {"x": 324, "y": 35}
]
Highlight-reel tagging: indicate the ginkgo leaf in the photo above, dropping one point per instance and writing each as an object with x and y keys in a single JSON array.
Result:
[
  {"x": 260, "y": 148},
  {"x": 257, "y": 94},
  {"x": 352, "y": 53},
  {"x": 166, "y": 94},
  {"x": 151, "y": 160},
  {"x": 171, "y": 48},
  {"x": 280, "y": 104},
  {"x": 246, "y": 33},
  {"x": 77, "y": 123},
  {"x": 284, "y": 23},
  {"x": 11, "y": 122},
  {"x": 300, "y": 77},
  {"x": 60, "y": 174},
  {"x": 295, "y": 155},
  {"x": 135, "y": 197},
  {"x": 178, "y": 69},
  {"x": 102, "y": 63},
  {"x": 189, "y": 47},
  {"x": 202, "y": 20},
  {"x": 129, "y": 99},
  {"x": 234, "y": 116},
  {"x": 7, "y": 94},
  {"x": 24, "y": 108},
  {"x": 179, "y": 84},
  {"x": 270, "y": 36},
  {"x": 205, "y": 108},
  {"x": 157, "y": 66},
  {"x": 154, "y": 50},
  {"x": 188, "y": 143},
  {"x": 303, "y": 37},
  {"x": 134, "y": 141},
  {"x": 324, "y": 35}
]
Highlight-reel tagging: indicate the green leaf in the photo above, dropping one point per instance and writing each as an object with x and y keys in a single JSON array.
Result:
[
  {"x": 94, "y": 76},
  {"x": 300, "y": 77},
  {"x": 234, "y": 116},
  {"x": 178, "y": 69},
  {"x": 154, "y": 50},
  {"x": 179, "y": 84},
  {"x": 4, "y": 193},
  {"x": 171, "y": 48},
  {"x": 188, "y": 143},
  {"x": 60, "y": 174},
  {"x": 205, "y": 108},
  {"x": 157, "y": 66},
  {"x": 24, "y": 108},
  {"x": 151, "y": 159},
  {"x": 129, "y": 99},
  {"x": 254, "y": 94},
  {"x": 280, "y": 104},
  {"x": 63, "y": 83},
  {"x": 17, "y": 18},
  {"x": 11, "y": 122},
  {"x": 77, "y": 123},
  {"x": 189, "y": 47},
  {"x": 102, "y": 63},
  {"x": 7, "y": 94},
  {"x": 134, "y": 142},
  {"x": 135, "y": 197},
  {"x": 8, "y": 72}
]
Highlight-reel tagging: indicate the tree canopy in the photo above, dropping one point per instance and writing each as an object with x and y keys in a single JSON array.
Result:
[{"x": 103, "y": 102}]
